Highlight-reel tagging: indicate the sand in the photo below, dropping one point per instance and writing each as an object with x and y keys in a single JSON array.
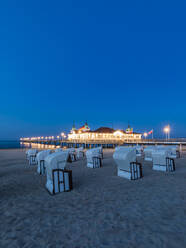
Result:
[{"x": 103, "y": 210}]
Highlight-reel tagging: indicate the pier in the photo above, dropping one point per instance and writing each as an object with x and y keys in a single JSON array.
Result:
[{"x": 105, "y": 143}]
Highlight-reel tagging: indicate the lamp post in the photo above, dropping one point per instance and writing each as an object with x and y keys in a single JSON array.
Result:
[
  {"x": 145, "y": 135},
  {"x": 167, "y": 132},
  {"x": 62, "y": 135}
]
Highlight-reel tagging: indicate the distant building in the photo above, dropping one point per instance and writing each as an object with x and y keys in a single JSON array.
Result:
[{"x": 103, "y": 134}]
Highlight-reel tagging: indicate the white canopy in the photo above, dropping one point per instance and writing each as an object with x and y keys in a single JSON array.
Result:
[{"x": 123, "y": 156}]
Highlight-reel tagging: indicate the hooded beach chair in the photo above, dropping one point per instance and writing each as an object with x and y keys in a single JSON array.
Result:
[
  {"x": 148, "y": 153},
  {"x": 58, "y": 178},
  {"x": 79, "y": 152},
  {"x": 31, "y": 156},
  {"x": 41, "y": 161},
  {"x": 162, "y": 160},
  {"x": 125, "y": 159},
  {"x": 94, "y": 158},
  {"x": 71, "y": 154},
  {"x": 139, "y": 151}
]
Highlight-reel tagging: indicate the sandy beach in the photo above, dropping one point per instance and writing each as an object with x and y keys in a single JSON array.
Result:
[{"x": 103, "y": 210}]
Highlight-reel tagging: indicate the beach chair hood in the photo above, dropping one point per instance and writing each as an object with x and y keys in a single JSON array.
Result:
[
  {"x": 42, "y": 155},
  {"x": 54, "y": 161},
  {"x": 31, "y": 152},
  {"x": 95, "y": 152},
  {"x": 123, "y": 156},
  {"x": 159, "y": 156}
]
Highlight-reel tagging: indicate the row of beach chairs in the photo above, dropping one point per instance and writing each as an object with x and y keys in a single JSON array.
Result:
[
  {"x": 53, "y": 162},
  {"x": 162, "y": 158}
]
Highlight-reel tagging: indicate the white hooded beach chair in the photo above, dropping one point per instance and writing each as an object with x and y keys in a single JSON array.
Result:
[
  {"x": 162, "y": 160},
  {"x": 58, "y": 178},
  {"x": 125, "y": 158},
  {"x": 41, "y": 161},
  {"x": 148, "y": 153},
  {"x": 71, "y": 154},
  {"x": 31, "y": 156},
  {"x": 79, "y": 153},
  {"x": 94, "y": 158}
]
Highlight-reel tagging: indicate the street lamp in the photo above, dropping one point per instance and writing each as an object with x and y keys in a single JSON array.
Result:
[
  {"x": 63, "y": 135},
  {"x": 145, "y": 135},
  {"x": 167, "y": 132}
]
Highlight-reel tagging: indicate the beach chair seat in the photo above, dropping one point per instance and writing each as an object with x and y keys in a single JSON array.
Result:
[
  {"x": 58, "y": 178},
  {"x": 148, "y": 153},
  {"x": 162, "y": 160},
  {"x": 94, "y": 158},
  {"x": 71, "y": 154},
  {"x": 125, "y": 159}
]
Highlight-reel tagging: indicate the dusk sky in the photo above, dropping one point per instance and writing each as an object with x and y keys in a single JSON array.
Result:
[{"x": 107, "y": 62}]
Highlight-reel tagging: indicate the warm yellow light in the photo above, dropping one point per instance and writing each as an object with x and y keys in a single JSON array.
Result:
[
  {"x": 118, "y": 133},
  {"x": 145, "y": 134},
  {"x": 167, "y": 129}
]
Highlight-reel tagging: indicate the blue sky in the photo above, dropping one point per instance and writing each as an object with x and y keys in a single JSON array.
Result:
[{"x": 107, "y": 62}]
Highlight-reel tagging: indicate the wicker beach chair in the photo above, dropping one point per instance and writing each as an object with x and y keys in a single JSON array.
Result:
[
  {"x": 80, "y": 153},
  {"x": 41, "y": 161},
  {"x": 31, "y": 156},
  {"x": 162, "y": 160},
  {"x": 94, "y": 158},
  {"x": 58, "y": 178},
  {"x": 125, "y": 158},
  {"x": 148, "y": 153},
  {"x": 71, "y": 154}
]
